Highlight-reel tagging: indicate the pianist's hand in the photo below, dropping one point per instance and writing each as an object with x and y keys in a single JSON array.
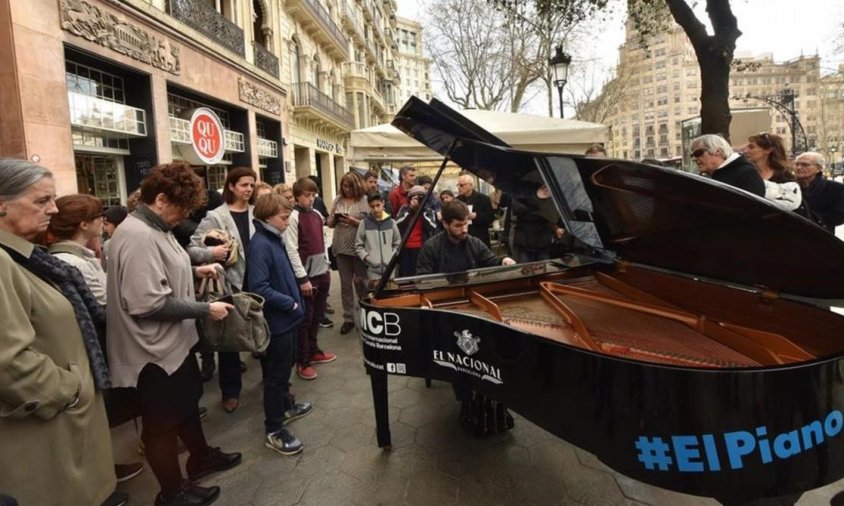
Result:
[{"x": 508, "y": 261}]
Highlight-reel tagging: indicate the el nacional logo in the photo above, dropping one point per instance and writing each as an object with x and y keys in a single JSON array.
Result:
[{"x": 464, "y": 362}]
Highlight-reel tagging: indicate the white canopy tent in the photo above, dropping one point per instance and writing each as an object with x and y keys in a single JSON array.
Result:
[{"x": 384, "y": 143}]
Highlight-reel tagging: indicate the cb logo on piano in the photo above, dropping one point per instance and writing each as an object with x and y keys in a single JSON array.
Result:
[{"x": 384, "y": 324}]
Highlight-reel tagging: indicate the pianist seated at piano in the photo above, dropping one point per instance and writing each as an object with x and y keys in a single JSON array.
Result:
[{"x": 453, "y": 249}]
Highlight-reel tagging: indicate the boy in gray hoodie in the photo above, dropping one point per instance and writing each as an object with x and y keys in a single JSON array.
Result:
[{"x": 377, "y": 238}]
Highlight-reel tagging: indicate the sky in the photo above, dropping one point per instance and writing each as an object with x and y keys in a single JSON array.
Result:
[{"x": 785, "y": 28}]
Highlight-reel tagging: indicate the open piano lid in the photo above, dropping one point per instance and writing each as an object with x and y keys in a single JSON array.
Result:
[{"x": 648, "y": 215}]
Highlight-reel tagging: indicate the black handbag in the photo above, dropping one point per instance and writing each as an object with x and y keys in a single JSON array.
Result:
[
  {"x": 332, "y": 258},
  {"x": 243, "y": 329}
]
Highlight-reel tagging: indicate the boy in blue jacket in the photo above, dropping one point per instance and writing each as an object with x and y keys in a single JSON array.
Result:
[{"x": 270, "y": 275}]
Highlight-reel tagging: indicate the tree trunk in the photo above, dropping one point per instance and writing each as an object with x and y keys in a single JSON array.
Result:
[
  {"x": 715, "y": 114},
  {"x": 714, "y": 56}
]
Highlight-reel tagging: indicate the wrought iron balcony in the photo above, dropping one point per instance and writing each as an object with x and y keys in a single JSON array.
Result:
[
  {"x": 318, "y": 23},
  {"x": 309, "y": 101},
  {"x": 105, "y": 117},
  {"x": 265, "y": 60},
  {"x": 201, "y": 16}
]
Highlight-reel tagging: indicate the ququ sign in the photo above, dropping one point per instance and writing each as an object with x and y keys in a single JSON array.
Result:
[{"x": 206, "y": 135}]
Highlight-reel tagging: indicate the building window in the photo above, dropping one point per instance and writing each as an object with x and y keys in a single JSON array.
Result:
[
  {"x": 94, "y": 83},
  {"x": 177, "y": 106},
  {"x": 99, "y": 176}
]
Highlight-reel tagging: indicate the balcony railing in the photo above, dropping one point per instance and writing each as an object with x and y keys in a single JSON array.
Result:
[
  {"x": 355, "y": 69},
  {"x": 321, "y": 16},
  {"x": 180, "y": 134},
  {"x": 119, "y": 120},
  {"x": 350, "y": 15},
  {"x": 307, "y": 95},
  {"x": 377, "y": 99},
  {"x": 234, "y": 141},
  {"x": 201, "y": 16},
  {"x": 179, "y": 130},
  {"x": 265, "y": 60},
  {"x": 267, "y": 148}
]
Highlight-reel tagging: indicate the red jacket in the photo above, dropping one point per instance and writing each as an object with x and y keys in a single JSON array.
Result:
[{"x": 398, "y": 199}]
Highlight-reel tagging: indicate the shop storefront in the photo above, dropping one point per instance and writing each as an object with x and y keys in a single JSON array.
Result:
[{"x": 101, "y": 92}]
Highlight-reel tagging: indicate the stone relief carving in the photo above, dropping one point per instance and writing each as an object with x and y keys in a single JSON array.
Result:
[
  {"x": 251, "y": 94},
  {"x": 90, "y": 22}
]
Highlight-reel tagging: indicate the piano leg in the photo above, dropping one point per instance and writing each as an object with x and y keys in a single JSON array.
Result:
[{"x": 378, "y": 381}]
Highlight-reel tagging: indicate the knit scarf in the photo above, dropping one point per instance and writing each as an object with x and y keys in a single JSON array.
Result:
[{"x": 71, "y": 284}]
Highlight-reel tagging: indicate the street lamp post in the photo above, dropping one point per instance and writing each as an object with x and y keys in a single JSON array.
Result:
[
  {"x": 787, "y": 99},
  {"x": 559, "y": 64}
]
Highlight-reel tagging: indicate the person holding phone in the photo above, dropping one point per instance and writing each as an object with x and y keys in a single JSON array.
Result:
[{"x": 347, "y": 211}]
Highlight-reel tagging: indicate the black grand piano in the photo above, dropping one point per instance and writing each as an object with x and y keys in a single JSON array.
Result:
[{"x": 691, "y": 340}]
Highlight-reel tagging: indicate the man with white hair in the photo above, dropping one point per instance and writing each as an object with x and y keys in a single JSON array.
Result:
[
  {"x": 480, "y": 207},
  {"x": 715, "y": 158},
  {"x": 825, "y": 197}
]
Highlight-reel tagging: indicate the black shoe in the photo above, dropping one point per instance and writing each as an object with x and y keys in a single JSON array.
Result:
[
  {"x": 126, "y": 472},
  {"x": 116, "y": 498},
  {"x": 215, "y": 461},
  {"x": 206, "y": 372},
  {"x": 242, "y": 367},
  {"x": 347, "y": 327},
  {"x": 206, "y": 493},
  {"x": 188, "y": 495},
  {"x": 203, "y": 411},
  {"x": 326, "y": 323}
]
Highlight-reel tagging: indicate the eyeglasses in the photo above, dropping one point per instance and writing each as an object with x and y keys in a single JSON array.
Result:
[
  {"x": 462, "y": 184},
  {"x": 698, "y": 152},
  {"x": 804, "y": 164}
]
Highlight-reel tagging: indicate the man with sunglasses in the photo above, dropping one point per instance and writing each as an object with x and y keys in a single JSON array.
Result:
[
  {"x": 825, "y": 197},
  {"x": 715, "y": 158}
]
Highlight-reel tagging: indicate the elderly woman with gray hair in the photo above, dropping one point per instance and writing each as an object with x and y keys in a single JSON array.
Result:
[
  {"x": 53, "y": 428},
  {"x": 715, "y": 158}
]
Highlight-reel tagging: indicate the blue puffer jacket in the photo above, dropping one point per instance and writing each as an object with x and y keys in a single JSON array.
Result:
[{"x": 270, "y": 275}]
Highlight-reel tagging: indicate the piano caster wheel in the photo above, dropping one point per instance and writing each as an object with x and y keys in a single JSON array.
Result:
[{"x": 427, "y": 382}]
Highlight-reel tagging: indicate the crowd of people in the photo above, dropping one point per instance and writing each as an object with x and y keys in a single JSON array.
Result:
[
  {"x": 763, "y": 168},
  {"x": 100, "y": 333}
]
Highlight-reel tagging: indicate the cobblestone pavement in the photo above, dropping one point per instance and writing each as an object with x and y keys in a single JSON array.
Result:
[{"x": 432, "y": 461}]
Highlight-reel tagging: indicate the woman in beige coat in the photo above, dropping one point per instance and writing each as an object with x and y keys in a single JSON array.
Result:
[{"x": 54, "y": 437}]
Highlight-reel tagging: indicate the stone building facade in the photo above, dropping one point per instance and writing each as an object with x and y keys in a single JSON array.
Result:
[
  {"x": 659, "y": 87},
  {"x": 414, "y": 66},
  {"x": 100, "y": 91}
]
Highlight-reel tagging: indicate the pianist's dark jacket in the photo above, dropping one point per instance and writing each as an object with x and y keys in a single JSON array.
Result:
[{"x": 435, "y": 255}]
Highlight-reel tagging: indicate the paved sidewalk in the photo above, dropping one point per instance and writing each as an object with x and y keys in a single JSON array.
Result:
[{"x": 432, "y": 461}]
